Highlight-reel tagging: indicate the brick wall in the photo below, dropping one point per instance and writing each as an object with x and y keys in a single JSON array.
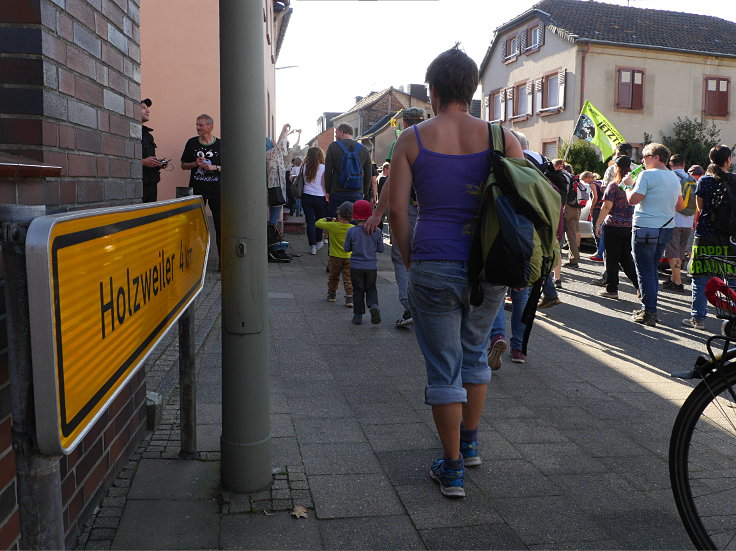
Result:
[
  {"x": 69, "y": 97},
  {"x": 71, "y": 74},
  {"x": 9, "y": 519}
]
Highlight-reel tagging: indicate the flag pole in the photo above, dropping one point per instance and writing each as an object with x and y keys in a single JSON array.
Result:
[{"x": 569, "y": 144}]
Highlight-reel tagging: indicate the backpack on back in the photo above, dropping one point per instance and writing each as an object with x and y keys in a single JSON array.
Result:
[
  {"x": 579, "y": 194},
  {"x": 515, "y": 241},
  {"x": 688, "y": 185},
  {"x": 351, "y": 171},
  {"x": 723, "y": 216}
]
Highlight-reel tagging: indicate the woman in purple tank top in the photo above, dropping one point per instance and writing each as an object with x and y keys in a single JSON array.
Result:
[{"x": 446, "y": 160}]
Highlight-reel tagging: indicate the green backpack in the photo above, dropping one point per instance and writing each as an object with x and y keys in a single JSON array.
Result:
[{"x": 515, "y": 241}]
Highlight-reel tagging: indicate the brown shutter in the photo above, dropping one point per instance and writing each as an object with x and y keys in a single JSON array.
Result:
[
  {"x": 722, "y": 98},
  {"x": 561, "y": 81},
  {"x": 522, "y": 41},
  {"x": 541, "y": 34},
  {"x": 637, "y": 89},
  {"x": 710, "y": 96},
  {"x": 624, "y": 79},
  {"x": 503, "y": 49}
]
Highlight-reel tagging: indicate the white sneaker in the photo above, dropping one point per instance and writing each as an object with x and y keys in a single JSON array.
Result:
[
  {"x": 313, "y": 249},
  {"x": 320, "y": 245}
]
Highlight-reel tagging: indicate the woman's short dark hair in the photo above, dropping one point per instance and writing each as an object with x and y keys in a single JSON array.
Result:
[
  {"x": 453, "y": 76},
  {"x": 719, "y": 154}
]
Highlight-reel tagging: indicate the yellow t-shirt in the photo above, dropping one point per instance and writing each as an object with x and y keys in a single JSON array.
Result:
[{"x": 337, "y": 231}]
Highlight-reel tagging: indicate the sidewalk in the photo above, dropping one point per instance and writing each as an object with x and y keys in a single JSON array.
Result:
[{"x": 574, "y": 442}]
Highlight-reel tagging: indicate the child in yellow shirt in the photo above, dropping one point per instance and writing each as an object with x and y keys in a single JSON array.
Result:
[{"x": 338, "y": 261}]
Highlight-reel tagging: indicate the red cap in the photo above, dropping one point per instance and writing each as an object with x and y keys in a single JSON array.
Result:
[{"x": 362, "y": 210}]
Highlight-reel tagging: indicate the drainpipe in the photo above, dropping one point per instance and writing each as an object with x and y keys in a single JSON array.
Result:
[{"x": 582, "y": 77}]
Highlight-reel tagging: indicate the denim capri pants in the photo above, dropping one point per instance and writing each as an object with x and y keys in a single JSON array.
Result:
[{"x": 452, "y": 334}]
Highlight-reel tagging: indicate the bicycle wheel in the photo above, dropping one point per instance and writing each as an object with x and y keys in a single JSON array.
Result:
[{"x": 702, "y": 461}]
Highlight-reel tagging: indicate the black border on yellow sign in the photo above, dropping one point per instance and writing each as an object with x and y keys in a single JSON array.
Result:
[{"x": 70, "y": 239}]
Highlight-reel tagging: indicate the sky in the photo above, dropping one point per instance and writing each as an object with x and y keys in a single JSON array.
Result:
[{"x": 347, "y": 48}]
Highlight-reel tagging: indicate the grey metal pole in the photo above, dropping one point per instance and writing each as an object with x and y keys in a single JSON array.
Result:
[
  {"x": 246, "y": 431},
  {"x": 187, "y": 385},
  {"x": 38, "y": 476}
]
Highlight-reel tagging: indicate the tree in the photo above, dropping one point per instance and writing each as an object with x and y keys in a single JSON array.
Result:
[
  {"x": 583, "y": 156},
  {"x": 691, "y": 138}
]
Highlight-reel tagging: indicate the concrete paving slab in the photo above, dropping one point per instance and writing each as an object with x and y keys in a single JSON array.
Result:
[
  {"x": 484, "y": 536},
  {"x": 363, "y": 495},
  {"x": 274, "y": 531},
  {"x": 548, "y": 520},
  {"x": 406, "y": 436},
  {"x": 518, "y": 431},
  {"x": 281, "y": 425},
  {"x": 186, "y": 524},
  {"x": 386, "y": 414},
  {"x": 560, "y": 458},
  {"x": 511, "y": 478},
  {"x": 208, "y": 437},
  {"x": 408, "y": 467},
  {"x": 645, "y": 529},
  {"x": 285, "y": 451},
  {"x": 320, "y": 406},
  {"x": 181, "y": 479},
  {"x": 344, "y": 458},
  {"x": 316, "y": 430},
  {"x": 428, "y": 508},
  {"x": 370, "y": 533}
]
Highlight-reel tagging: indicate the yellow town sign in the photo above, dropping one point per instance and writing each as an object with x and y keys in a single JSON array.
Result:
[{"x": 105, "y": 285}]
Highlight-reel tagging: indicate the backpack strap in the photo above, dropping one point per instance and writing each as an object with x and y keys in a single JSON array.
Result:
[
  {"x": 496, "y": 138},
  {"x": 342, "y": 146}
]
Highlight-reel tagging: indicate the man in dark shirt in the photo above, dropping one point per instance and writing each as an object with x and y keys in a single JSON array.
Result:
[
  {"x": 151, "y": 165},
  {"x": 333, "y": 165},
  {"x": 201, "y": 157}
]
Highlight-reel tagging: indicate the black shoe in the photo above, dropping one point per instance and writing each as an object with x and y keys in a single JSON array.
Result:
[
  {"x": 672, "y": 286},
  {"x": 558, "y": 284},
  {"x": 570, "y": 264},
  {"x": 600, "y": 282}
]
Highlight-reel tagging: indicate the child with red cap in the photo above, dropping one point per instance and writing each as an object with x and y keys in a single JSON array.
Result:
[{"x": 363, "y": 263}]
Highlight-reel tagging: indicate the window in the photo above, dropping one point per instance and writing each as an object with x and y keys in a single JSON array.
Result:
[
  {"x": 533, "y": 38},
  {"x": 551, "y": 91},
  {"x": 520, "y": 100},
  {"x": 494, "y": 106},
  {"x": 716, "y": 96},
  {"x": 549, "y": 149},
  {"x": 630, "y": 88},
  {"x": 511, "y": 47},
  {"x": 510, "y": 101}
]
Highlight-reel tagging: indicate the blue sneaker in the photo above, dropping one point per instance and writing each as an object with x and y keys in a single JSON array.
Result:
[
  {"x": 469, "y": 450},
  {"x": 450, "y": 480}
]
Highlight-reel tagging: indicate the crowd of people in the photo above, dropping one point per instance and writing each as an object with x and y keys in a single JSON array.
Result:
[{"x": 431, "y": 189}]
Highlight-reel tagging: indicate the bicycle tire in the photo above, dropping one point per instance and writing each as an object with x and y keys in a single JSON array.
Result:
[{"x": 702, "y": 460}]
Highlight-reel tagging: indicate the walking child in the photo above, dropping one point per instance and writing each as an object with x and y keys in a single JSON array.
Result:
[
  {"x": 363, "y": 264},
  {"x": 338, "y": 261}
]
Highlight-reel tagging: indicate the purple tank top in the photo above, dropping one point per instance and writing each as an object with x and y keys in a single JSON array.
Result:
[{"x": 449, "y": 192}]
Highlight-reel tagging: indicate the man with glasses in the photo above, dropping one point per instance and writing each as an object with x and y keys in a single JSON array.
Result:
[{"x": 656, "y": 196}]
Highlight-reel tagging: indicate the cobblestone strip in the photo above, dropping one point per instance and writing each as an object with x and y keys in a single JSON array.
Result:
[{"x": 289, "y": 488}]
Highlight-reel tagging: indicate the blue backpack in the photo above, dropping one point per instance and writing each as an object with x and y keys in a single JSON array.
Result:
[{"x": 351, "y": 173}]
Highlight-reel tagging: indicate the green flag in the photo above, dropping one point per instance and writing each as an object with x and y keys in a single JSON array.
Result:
[{"x": 593, "y": 127}]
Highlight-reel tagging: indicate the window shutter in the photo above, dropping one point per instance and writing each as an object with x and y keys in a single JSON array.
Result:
[
  {"x": 522, "y": 41},
  {"x": 624, "y": 79},
  {"x": 529, "y": 97},
  {"x": 487, "y": 106},
  {"x": 541, "y": 34},
  {"x": 722, "y": 98},
  {"x": 503, "y": 49},
  {"x": 637, "y": 90},
  {"x": 502, "y": 113},
  {"x": 538, "y": 85},
  {"x": 561, "y": 81},
  {"x": 711, "y": 90}
]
